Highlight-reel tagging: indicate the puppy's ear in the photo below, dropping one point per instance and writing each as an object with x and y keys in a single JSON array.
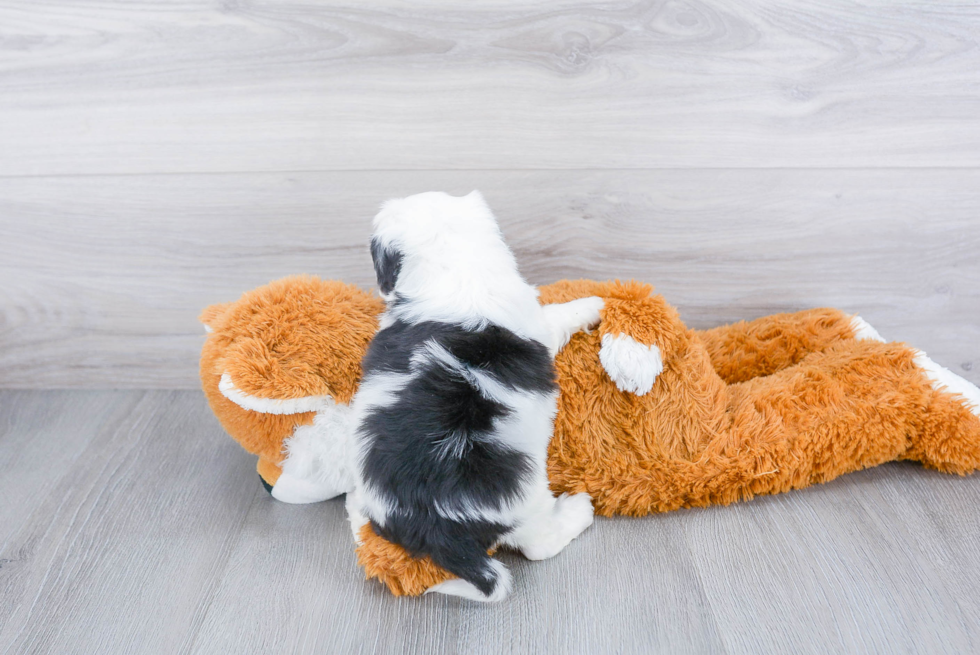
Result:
[
  {"x": 476, "y": 198},
  {"x": 387, "y": 265}
]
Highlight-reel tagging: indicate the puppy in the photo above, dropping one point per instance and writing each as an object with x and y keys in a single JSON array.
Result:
[{"x": 458, "y": 397}]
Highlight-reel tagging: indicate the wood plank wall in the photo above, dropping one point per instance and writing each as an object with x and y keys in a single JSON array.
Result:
[{"x": 745, "y": 157}]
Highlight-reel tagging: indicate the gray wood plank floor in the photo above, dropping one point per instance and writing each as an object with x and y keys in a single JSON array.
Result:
[{"x": 129, "y": 523}]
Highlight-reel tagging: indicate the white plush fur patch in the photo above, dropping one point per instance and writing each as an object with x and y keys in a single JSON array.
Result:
[
  {"x": 319, "y": 458},
  {"x": 633, "y": 366},
  {"x": 945, "y": 380},
  {"x": 271, "y": 405},
  {"x": 863, "y": 330}
]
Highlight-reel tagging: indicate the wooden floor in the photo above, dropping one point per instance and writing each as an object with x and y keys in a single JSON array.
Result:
[{"x": 129, "y": 523}]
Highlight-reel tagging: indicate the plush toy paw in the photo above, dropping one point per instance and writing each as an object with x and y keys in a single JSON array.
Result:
[{"x": 633, "y": 366}]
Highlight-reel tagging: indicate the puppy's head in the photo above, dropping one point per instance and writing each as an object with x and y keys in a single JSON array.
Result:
[{"x": 430, "y": 236}]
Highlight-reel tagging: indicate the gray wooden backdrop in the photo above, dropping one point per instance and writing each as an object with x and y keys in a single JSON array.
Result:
[{"x": 746, "y": 157}]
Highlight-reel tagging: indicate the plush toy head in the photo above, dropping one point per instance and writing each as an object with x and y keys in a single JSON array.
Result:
[{"x": 279, "y": 368}]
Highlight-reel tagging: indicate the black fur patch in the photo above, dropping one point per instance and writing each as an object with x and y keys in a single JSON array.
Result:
[
  {"x": 434, "y": 446},
  {"x": 515, "y": 362},
  {"x": 387, "y": 265},
  {"x": 409, "y": 455}
]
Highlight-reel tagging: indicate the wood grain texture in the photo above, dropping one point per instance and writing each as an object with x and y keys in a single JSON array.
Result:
[
  {"x": 121, "y": 551},
  {"x": 157, "y": 538},
  {"x": 747, "y": 157},
  {"x": 104, "y": 290},
  {"x": 117, "y": 86}
]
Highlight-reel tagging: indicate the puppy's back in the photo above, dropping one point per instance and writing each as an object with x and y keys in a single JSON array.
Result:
[{"x": 444, "y": 459}]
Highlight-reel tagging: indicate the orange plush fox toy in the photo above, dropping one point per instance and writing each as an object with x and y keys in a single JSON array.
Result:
[{"x": 652, "y": 416}]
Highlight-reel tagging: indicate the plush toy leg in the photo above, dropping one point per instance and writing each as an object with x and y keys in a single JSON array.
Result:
[
  {"x": 749, "y": 349},
  {"x": 855, "y": 405},
  {"x": 950, "y": 438}
]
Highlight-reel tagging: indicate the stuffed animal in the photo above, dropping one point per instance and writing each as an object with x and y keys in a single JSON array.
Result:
[{"x": 652, "y": 416}]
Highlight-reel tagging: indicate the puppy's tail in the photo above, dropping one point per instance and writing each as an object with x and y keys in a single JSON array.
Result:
[{"x": 481, "y": 577}]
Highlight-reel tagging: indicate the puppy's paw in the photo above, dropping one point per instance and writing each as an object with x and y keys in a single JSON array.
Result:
[
  {"x": 633, "y": 366},
  {"x": 570, "y": 516},
  {"x": 566, "y": 319},
  {"x": 575, "y": 513},
  {"x": 586, "y": 311}
]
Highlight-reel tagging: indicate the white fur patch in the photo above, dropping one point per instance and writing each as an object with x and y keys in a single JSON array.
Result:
[
  {"x": 551, "y": 524},
  {"x": 633, "y": 366},
  {"x": 296, "y": 491},
  {"x": 271, "y": 405},
  {"x": 863, "y": 330},
  {"x": 945, "y": 380},
  {"x": 354, "y": 515},
  {"x": 319, "y": 458},
  {"x": 463, "y": 589}
]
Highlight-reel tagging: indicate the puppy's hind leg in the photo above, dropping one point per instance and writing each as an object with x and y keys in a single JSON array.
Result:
[
  {"x": 565, "y": 319},
  {"x": 551, "y": 524}
]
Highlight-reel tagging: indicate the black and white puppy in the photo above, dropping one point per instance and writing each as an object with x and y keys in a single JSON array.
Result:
[{"x": 458, "y": 397}]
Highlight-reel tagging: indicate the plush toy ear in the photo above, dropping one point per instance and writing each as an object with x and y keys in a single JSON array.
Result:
[
  {"x": 271, "y": 405},
  {"x": 387, "y": 265},
  {"x": 211, "y": 314}
]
